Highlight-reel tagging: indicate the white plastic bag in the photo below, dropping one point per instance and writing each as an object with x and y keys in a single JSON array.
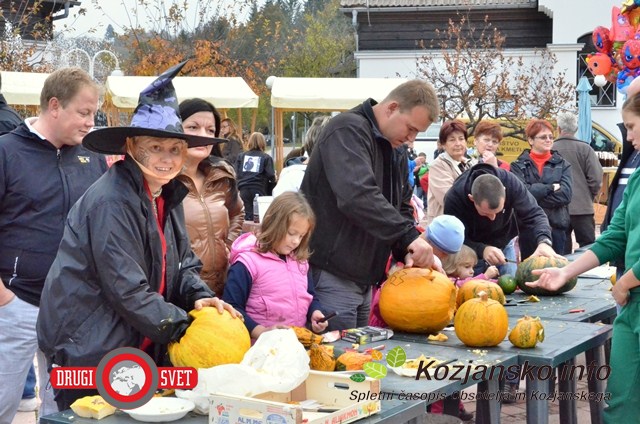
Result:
[{"x": 277, "y": 362}]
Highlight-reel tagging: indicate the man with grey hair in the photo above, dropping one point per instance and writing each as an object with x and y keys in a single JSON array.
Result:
[{"x": 586, "y": 172}]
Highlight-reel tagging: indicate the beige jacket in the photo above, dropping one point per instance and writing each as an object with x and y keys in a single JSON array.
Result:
[{"x": 214, "y": 220}]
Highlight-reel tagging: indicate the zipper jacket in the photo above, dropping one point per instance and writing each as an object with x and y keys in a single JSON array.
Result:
[{"x": 38, "y": 186}]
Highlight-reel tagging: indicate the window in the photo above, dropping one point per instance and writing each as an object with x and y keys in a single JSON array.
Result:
[{"x": 600, "y": 96}]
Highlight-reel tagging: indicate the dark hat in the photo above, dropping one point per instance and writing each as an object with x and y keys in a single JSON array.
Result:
[{"x": 157, "y": 115}]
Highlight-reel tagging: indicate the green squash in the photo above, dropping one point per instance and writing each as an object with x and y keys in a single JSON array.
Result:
[{"x": 523, "y": 275}]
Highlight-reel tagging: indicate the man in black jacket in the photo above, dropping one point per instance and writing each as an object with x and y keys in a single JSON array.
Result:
[
  {"x": 43, "y": 171},
  {"x": 357, "y": 185},
  {"x": 9, "y": 118},
  {"x": 502, "y": 207}
]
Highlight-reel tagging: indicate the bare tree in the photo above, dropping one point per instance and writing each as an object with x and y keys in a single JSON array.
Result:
[{"x": 477, "y": 78}]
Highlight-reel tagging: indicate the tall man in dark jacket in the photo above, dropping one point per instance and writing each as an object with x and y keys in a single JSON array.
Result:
[
  {"x": 494, "y": 205},
  {"x": 9, "y": 118},
  {"x": 43, "y": 171},
  {"x": 586, "y": 173},
  {"x": 356, "y": 183}
]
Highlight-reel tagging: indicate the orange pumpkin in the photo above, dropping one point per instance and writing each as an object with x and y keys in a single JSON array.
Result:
[
  {"x": 481, "y": 322},
  {"x": 418, "y": 300},
  {"x": 470, "y": 290},
  {"x": 527, "y": 332}
]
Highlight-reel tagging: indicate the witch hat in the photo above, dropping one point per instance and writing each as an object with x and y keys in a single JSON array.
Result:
[{"x": 157, "y": 115}]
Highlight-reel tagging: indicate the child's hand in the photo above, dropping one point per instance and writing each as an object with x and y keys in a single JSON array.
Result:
[
  {"x": 492, "y": 272},
  {"x": 318, "y": 327},
  {"x": 259, "y": 329}
]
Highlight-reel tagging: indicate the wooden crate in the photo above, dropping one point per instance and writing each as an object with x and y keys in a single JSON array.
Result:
[{"x": 332, "y": 390}]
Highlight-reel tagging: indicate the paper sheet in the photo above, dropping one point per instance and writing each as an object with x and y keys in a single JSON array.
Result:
[{"x": 603, "y": 271}]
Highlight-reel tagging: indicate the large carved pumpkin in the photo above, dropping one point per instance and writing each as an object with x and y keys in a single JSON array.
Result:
[
  {"x": 211, "y": 339},
  {"x": 418, "y": 300},
  {"x": 523, "y": 275},
  {"x": 470, "y": 290},
  {"x": 481, "y": 322}
]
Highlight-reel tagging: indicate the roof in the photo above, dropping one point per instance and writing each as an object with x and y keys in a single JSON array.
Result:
[
  {"x": 223, "y": 92},
  {"x": 331, "y": 94},
  {"x": 444, "y": 4},
  {"x": 22, "y": 88}
]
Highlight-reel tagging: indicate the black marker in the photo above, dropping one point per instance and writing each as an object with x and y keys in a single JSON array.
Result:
[{"x": 328, "y": 317}]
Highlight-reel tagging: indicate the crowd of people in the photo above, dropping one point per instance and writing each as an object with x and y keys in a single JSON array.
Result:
[{"x": 124, "y": 252}]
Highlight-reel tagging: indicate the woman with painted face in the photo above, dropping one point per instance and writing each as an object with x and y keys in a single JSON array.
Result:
[{"x": 125, "y": 274}]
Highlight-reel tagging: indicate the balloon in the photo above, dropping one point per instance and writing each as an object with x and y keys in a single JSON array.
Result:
[
  {"x": 621, "y": 29},
  {"x": 630, "y": 54},
  {"x": 629, "y": 5},
  {"x": 602, "y": 40},
  {"x": 600, "y": 80},
  {"x": 599, "y": 63}
]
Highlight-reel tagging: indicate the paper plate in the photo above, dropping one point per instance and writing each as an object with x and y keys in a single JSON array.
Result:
[
  {"x": 411, "y": 372},
  {"x": 159, "y": 410}
]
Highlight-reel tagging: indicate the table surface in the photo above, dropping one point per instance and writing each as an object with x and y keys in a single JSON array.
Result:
[
  {"x": 590, "y": 294},
  {"x": 416, "y": 344},
  {"x": 393, "y": 412},
  {"x": 563, "y": 341}
]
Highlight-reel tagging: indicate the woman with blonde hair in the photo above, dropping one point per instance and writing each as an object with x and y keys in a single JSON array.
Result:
[
  {"x": 233, "y": 147},
  {"x": 256, "y": 173}
]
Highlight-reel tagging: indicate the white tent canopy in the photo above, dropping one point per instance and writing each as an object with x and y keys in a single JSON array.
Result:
[
  {"x": 322, "y": 94},
  {"x": 22, "y": 88},
  {"x": 223, "y": 92},
  {"x": 331, "y": 94}
]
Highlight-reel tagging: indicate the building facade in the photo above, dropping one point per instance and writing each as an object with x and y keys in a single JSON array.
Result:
[{"x": 392, "y": 35}]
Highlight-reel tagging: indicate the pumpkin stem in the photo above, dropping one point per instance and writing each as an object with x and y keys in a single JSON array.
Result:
[{"x": 483, "y": 295}]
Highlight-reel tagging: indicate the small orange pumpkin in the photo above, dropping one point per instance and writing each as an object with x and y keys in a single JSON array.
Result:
[
  {"x": 418, "y": 300},
  {"x": 527, "y": 332},
  {"x": 481, "y": 322},
  {"x": 470, "y": 290}
]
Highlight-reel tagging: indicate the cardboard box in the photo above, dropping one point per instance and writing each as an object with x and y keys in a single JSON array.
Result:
[
  {"x": 364, "y": 335},
  {"x": 333, "y": 390}
]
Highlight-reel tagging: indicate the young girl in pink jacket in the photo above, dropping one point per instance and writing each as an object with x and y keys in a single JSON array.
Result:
[{"x": 269, "y": 281}]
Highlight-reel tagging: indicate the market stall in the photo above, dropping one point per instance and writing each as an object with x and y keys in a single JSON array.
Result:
[
  {"x": 321, "y": 94},
  {"x": 22, "y": 89},
  {"x": 122, "y": 94}
]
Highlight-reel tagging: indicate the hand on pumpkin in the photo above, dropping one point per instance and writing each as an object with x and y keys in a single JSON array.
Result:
[
  {"x": 550, "y": 278},
  {"x": 420, "y": 254},
  {"x": 318, "y": 327},
  {"x": 217, "y": 303},
  {"x": 544, "y": 249}
]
